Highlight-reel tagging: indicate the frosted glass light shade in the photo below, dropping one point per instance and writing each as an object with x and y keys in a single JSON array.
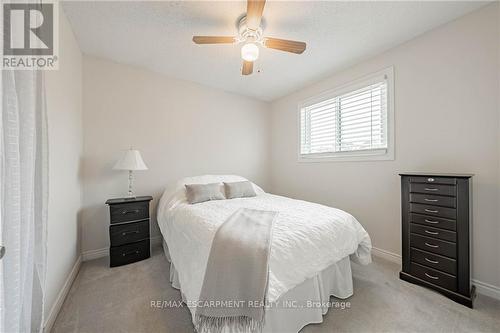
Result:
[
  {"x": 250, "y": 52},
  {"x": 132, "y": 160}
]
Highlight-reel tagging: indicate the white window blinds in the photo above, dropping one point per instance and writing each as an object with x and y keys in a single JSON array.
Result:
[{"x": 355, "y": 120}]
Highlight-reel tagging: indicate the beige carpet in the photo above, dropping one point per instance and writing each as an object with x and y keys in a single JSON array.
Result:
[{"x": 104, "y": 299}]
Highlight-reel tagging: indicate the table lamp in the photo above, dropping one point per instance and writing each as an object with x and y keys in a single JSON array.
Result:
[{"x": 131, "y": 161}]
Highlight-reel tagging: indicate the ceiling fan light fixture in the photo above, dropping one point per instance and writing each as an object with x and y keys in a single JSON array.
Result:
[
  {"x": 250, "y": 52},
  {"x": 250, "y": 34}
]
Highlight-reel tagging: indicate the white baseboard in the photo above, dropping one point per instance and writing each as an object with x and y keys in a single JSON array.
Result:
[
  {"x": 487, "y": 289},
  {"x": 95, "y": 254},
  {"x": 56, "y": 307},
  {"x": 104, "y": 252},
  {"x": 390, "y": 256},
  {"x": 482, "y": 288},
  {"x": 156, "y": 240}
]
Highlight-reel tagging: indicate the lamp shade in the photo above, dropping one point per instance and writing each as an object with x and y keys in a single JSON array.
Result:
[{"x": 132, "y": 160}]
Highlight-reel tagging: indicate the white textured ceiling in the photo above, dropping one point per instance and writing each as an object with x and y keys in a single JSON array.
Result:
[{"x": 157, "y": 36}]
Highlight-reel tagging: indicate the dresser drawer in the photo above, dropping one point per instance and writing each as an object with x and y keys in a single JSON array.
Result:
[
  {"x": 433, "y": 245},
  {"x": 433, "y": 276},
  {"x": 446, "y": 235},
  {"x": 450, "y": 190},
  {"x": 126, "y": 254},
  {"x": 120, "y": 234},
  {"x": 437, "y": 200},
  {"x": 132, "y": 211},
  {"x": 435, "y": 261},
  {"x": 450, "y": 213},
  {"x": 433, "y": 180},
  {"x": 433, "y": 221}
]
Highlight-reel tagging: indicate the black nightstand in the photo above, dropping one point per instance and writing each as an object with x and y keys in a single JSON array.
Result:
[{"x": 128, "y": 230}]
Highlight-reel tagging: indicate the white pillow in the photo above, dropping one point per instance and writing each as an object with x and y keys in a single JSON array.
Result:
[
  {"x": 196, "y": 193},
  {"x": 173, "y": 196},
  {"x": 242, "y": 189}
]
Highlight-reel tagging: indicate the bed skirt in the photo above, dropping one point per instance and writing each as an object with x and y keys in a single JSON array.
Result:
[{"x": 305, "y": 304}]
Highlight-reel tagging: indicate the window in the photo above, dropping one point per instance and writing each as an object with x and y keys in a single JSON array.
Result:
[{"x": 351, "y": 123}]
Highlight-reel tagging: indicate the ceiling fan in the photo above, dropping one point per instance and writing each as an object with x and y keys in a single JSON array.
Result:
[{"x": 250, "y": 34}]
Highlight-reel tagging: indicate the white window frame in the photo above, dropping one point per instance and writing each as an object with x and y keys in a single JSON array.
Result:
[{"x": 385, "y": 154}]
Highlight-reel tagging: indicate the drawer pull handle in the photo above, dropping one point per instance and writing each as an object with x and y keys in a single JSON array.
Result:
[
  {"x": 130, "y": 232},
  {"x": 432, "y": 261},
  {"x": 432, "y": 277},
  {"x": 135, "y": 211},
  {"x": 432, "y": 222},
  {"x": 430, "y": 180},
  {"x": 129, "y": 253},
  {"x": 431, "y": 189},
  {"x": 431, "y": 245},
  {"x": 431, "y": 232},
  {"x": 431, "y": 200},
  {"x": 431, "y": 211}
]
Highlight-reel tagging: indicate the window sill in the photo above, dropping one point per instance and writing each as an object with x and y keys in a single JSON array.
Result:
[{"x": 358, "y": 156}]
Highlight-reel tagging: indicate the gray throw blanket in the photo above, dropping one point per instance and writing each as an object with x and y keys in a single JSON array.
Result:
[{"x": 236, "y": 277}]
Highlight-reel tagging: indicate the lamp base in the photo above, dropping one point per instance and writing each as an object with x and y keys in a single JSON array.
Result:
[{"x": 131, "y": 194}]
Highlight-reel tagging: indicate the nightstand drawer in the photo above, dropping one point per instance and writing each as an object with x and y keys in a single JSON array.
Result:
[
  {"x": 126, "y": 254},
  {"x": 132, "y": 211},
  {"x": 128, "y": 233}
]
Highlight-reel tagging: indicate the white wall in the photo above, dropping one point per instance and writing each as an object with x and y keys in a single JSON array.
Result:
[
  {"x": 181, "y": 129},
  {"x": 64, "y": 109},
  {"x": 447, "y": 120},
  {"x": 498, "y": 140}
]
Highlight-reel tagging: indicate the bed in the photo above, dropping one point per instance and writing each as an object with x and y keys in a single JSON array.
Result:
[{"x": 310, "y": 258}]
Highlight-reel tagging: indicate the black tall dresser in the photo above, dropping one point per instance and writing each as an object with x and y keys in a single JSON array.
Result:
[{"x": 436, "y": 229}]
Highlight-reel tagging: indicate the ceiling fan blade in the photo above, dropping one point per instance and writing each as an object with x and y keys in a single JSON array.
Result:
[
  {"x": 285, "y": 45},
  {"x": 213, "y": 39},
  {"x": 247, "y": 68},
  {"x": 254, "y": 13}
]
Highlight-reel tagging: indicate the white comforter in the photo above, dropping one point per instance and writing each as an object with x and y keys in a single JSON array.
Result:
[{"x": 306, "y": 239}]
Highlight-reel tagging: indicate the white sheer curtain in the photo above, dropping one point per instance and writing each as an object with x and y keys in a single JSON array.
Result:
[{"x": 23, "y": 201}]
